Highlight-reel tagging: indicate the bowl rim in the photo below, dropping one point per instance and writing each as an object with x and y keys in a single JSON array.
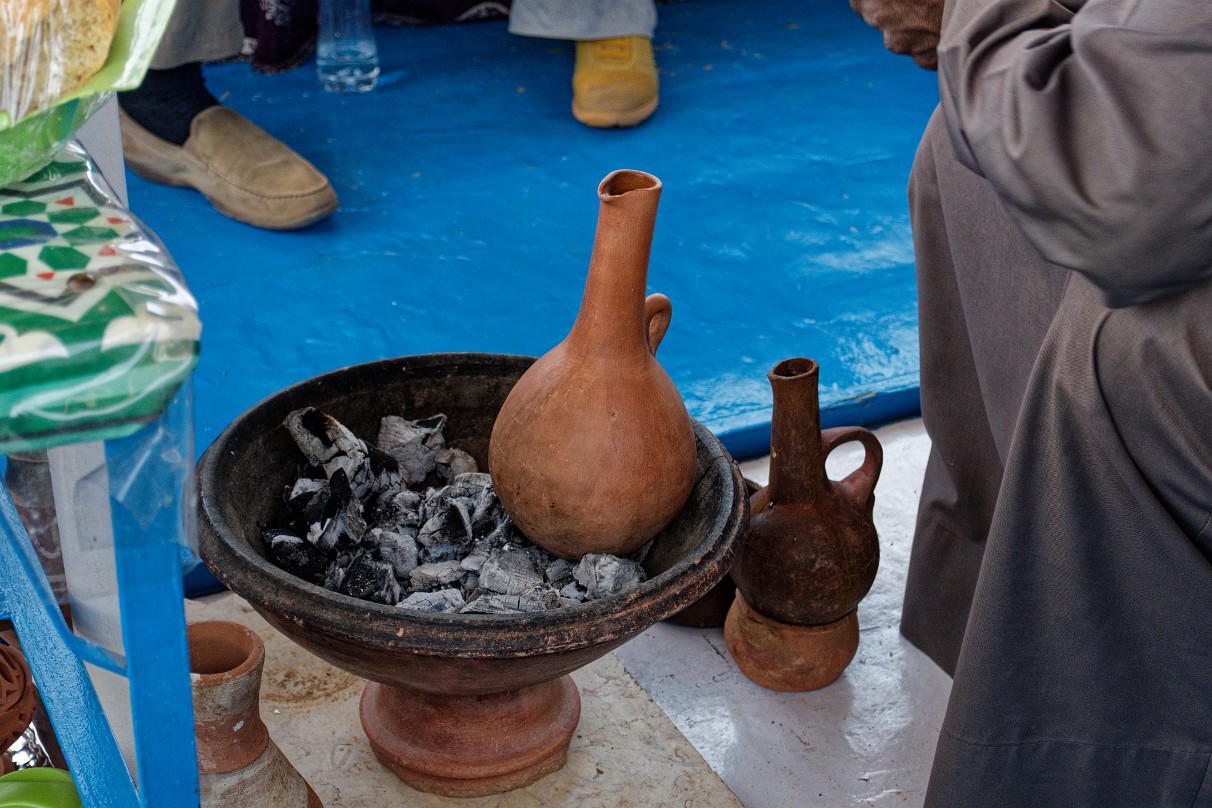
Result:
[{"x": 244, "y": 571}]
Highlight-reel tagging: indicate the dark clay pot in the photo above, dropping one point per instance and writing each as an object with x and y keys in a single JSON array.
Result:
[{"x": 500, "y": 680}]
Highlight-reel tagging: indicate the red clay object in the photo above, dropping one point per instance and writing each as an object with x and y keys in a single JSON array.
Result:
[
  {"x": 239, "y": 765},
  {"x": 811, "y": 552},
  {"x": 475, "y": 662},
  {"x": 789, "y": 658},
  {"x": 472, "y": 746},
  {"x": 593, "y": 451},
  {"x": 18, "y": 700}
]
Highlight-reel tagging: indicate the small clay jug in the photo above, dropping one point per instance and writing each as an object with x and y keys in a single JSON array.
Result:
[
  {"x": 239, "y": 765},
  {"x": 18, "y": 700},
  {"x": 811, "y": 550},
  {"x": 593, "y": 450}
]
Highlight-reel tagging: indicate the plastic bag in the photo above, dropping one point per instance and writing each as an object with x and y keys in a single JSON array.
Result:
[{"x": 49, "y": 82}]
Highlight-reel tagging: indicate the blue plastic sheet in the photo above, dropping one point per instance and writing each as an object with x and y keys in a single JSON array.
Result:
[{"x": 468, "y": 203}]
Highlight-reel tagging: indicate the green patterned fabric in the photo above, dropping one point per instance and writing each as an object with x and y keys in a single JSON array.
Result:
[{"x": 97, "y": 327}]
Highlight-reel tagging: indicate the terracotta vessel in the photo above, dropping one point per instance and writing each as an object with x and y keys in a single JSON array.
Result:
[
  {"x": 18, "y": 701},
  {"x": 458, "y": 704},
  {"x": 811, "y": 551},
  {"x": 593, "y": 451},
  {"x": 239, "y": 765}
]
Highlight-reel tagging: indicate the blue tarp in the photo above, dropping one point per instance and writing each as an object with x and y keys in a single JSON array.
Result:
[{"x": 468, "y": 203}]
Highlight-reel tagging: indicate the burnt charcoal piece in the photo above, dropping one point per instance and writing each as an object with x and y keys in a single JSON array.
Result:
[
  {"x": 533, "y": 599},
  {"x": 296, "y": 555},
  {"x": 453, "y": 462},
  {"x": 431, "y": 577},
  {"x": 398, "y": 511},
  {"x": 342, "y": 523},
  {"x": 385, "y": 472},
  {"x": 444, "y": 600},
  {"x": 334, "y": 577},
  {"x": 474, "y": 560},
  {"x": 441, "y": 552},
  {"x": 307, "y": 498},
  {"x": 414, "y": 444},
  {"x": 573, "y": 593},
  {"x": 559, "y": 573},
  {"x": 327, "y": 443},
  {"x": 605, "y": 575},
  {"x": 397, "y": 549},
  {"x": 509, "y": 572},
  {"x": 363, "y": 578}
]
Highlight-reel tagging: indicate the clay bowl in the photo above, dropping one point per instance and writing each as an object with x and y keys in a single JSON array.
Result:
[{"x": 461, "y": 705}]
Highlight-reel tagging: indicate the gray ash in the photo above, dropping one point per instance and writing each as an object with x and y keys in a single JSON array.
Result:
[{"x": 359, "y": 521}]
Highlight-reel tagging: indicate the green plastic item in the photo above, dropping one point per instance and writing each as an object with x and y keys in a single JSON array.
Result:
[
  {"x": 30, "y": 143},
  {"x": 97, "y": 327},
  {"x": 39, "y": 788}
]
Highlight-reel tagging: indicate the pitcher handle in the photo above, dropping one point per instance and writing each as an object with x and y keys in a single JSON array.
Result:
[
  {"x": 860, "y": 483},
  {"x": 658, "y": 311}
]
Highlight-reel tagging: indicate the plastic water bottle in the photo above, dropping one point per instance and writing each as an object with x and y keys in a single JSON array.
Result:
[{"x": 347, "y": 59}]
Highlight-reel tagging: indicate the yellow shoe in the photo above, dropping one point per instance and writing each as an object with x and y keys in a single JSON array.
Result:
[{"x": 615, "y": 82}]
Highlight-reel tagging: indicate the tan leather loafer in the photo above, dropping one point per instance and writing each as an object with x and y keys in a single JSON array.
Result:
[
  {"x": 239, "y": 167},
  {"x": 615, "y": 82}
]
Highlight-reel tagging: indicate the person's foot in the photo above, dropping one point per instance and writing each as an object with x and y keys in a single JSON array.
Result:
[
  {"x": 615, "y": 82},
  {"x": 240, "y": 168}
]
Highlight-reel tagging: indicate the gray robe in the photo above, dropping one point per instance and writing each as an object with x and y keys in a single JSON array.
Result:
[{"x": 1062, "y": 566}]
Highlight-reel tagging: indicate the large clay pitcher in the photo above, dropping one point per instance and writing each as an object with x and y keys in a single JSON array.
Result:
[
  {"x": 593, "y": 450},
  {"x": 811, "y": 551},
  {"x": 239, "y": 765}
]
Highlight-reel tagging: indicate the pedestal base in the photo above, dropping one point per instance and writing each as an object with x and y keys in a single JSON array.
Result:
[
  {"x": 471, "y": 746},
  {"x": 780, "y": 656}
]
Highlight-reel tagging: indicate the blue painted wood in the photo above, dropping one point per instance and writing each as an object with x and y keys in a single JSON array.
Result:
[
  {"x": 151, "y": 487},
  {"x": 80, "y": 726}
]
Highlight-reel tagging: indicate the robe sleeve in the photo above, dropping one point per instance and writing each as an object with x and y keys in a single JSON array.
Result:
[{"x": 1094, "y": 127}]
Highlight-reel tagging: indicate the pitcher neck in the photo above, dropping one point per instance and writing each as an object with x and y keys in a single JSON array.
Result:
[
  {"x": 797, "y": 468},
  {"x": 613, "y": 303}
]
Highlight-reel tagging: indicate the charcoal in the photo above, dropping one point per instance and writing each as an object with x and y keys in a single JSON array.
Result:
[
  {"x": 413, "y": 444},
  {"x": 605, "y": 575},
  {"x": 342, "y": 523},
  {"x": 453, "y": 462},
  {"x": 509, "y": 572},
  {"x": 334, "y": 577},
  {"x": 474, "y": 560},
  {"x": 559, "y": 573},
  {"x": 326, "y": 442},
  {"x": 295, "y": 555},
  {"x": 362, "y": 578},
  {"x": 397, "y": 510},
  {"x": 307, "y": 499},
  {"x": 352, "y": 526},
  {"x": 444, "y": 600},
  {"x": 385, "y": 472},
  {"x": 441, "y": 552},
  {"x": 449, "y": 522},
  {"x": 397, "y": 549},
  {"x": 430, "y": 577},
  {"x": 573, "y": 592},
  {"x": 532, "y": 599}
]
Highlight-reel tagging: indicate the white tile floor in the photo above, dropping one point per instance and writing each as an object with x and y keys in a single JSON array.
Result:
[{"x": 867, "y": 739}]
